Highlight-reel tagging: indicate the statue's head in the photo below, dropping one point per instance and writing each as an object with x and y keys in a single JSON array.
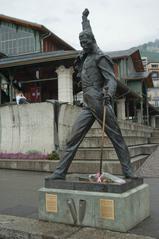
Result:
[{"x": 87, "y": 41}]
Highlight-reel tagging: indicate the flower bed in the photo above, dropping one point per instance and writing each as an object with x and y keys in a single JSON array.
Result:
[{"x": 32, "y": 156}]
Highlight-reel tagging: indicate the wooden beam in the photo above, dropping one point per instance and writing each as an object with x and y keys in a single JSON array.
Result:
[{"x": 39, "y": 80}]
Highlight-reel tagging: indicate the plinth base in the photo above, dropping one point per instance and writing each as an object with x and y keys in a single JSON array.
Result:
[{"x": 113, "y": 211}]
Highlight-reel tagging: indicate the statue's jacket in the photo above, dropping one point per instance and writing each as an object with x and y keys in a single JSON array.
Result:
[{"x": 95, "y": 72}]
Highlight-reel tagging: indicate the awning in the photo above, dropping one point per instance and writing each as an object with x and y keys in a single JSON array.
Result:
[{"x": 141, "y": 76}]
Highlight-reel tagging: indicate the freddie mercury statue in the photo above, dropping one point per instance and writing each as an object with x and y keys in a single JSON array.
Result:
[{"x": 95, "y": 70}]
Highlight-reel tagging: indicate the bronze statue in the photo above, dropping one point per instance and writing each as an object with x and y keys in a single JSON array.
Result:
[{"x": 95, "y": 70}]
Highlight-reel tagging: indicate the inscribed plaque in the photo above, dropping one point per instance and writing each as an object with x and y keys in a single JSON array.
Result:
[
  {"x": 51, "y": 202},
  {"x": 107, "y": 209}
]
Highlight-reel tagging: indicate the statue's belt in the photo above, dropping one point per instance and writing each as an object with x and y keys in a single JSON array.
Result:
[{"x": 96, "y": 87}]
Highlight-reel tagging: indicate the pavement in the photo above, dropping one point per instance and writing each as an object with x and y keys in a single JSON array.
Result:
[
  {"x": 12, "y": 227},
  {"x": 19, "y": 208},
  {"x": 150, "y": 168}
]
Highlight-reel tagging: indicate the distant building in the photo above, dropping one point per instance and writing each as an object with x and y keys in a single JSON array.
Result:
[
  {"x": 153, "y": 93},
  {"x": 19, "y": 38},
  {"x": 154, "y": 69},
  {"x": 129, "y": 71},
  {"x": 145, "y": 62}
]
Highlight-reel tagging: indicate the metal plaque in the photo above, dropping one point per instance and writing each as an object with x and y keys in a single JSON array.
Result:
[
  {"x": 51, "y": 202},
  {"x": 107, "y": 209}
]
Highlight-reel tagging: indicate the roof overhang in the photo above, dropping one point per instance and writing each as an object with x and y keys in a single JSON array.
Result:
[
  {"x": 36, "y": 58},
  {"x": 121, "y": 54}
]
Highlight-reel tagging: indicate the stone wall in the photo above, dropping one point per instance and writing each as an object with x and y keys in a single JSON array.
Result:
[
  {"x": 27, "y": 128},
  {"x": 31, "y": 127},
  {"x": 67, "y": 116}
]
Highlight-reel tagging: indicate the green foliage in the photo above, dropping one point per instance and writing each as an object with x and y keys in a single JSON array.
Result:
[
  {"x": 53, "y": 156},
  {"x": 152, "y": 56},
  {"x": 33, "y": 151}
]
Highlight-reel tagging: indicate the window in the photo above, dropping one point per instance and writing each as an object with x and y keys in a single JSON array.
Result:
[
  {"x": 17, "y": 41},
  {"x": 154, "y": 65}
]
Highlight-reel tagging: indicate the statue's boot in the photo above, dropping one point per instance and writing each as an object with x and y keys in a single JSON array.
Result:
[
  {"x": 55, "y": 176},
  {"x": 131, "y": 176}
]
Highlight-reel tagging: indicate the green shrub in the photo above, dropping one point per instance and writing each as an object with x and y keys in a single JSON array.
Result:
[{"x": 53, "y": 156}]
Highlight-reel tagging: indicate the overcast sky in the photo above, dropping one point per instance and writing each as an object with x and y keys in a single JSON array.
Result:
[{"x": 116, "y": 24}]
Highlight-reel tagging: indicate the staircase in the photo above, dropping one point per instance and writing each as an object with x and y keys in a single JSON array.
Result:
[
  {"x": 154, "y": 137},
  {"x": 137, "y": 137}
]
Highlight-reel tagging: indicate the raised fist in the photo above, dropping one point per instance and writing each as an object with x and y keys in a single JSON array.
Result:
[{"x": 85, "y": 12}]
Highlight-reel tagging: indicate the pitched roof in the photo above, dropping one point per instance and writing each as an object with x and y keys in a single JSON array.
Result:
[
  {"x": 34, "y": 26},
  {"x": 135, "y": 55},
  {"x": 22, "y": 22},
  {"x": 121, "y": 54}
]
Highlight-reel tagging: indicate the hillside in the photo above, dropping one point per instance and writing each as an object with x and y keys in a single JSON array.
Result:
[{"x": 150, "y": 50}]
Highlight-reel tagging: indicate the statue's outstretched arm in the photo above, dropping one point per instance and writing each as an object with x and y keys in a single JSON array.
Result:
[{"x": 85, "y": 22}]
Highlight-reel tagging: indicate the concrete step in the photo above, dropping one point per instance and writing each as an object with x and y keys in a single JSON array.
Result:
[
  {"x": 77, "y": 166},
  {"x": 125, "y": 132},
  {"x": 84, "y": 166},
  {"x": 110, "y": 154},
  {"x": 154, "y": 140},
  {"x": 92, "y": 142},
  {"x": 129, "y": 126},
  {"x": 156, "y": 130},
  {"x": 155, "y": 133}
]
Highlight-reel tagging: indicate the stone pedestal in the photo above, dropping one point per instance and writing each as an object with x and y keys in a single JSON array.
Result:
[{"x": 97, "y": 208}]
